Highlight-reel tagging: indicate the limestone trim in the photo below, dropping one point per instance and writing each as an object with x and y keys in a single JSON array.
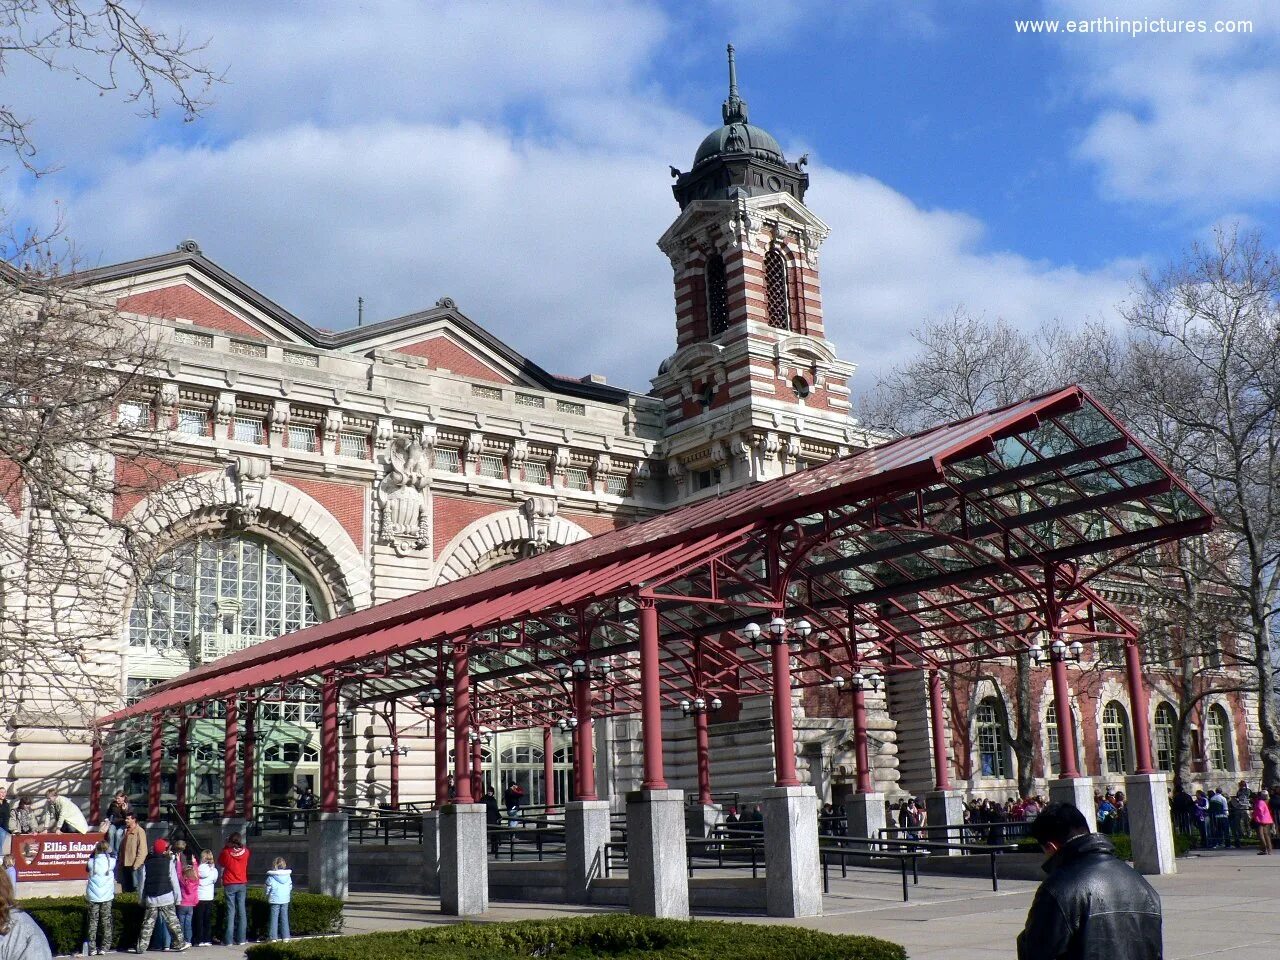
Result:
[
  {"x": 280, "y": 512},
  {"x": 466, "y": 553}
]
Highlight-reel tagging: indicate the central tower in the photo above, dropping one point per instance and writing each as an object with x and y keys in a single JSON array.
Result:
[{"x": 754, "y": 388}]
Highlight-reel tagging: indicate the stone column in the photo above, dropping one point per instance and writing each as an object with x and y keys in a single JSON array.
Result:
[
  {"x": 657, "y": 868},
  {"x": 1150, "y": 824},
  {"x": 701, "y": 819},
  {"x": 464, "y": 859},
  {"x": 945, "y": 808},
  {"x": 864, "y": 815},
  {"x": 586, "y": 831},
  {"x": 1077, "y": 791},
  {"x": 431, "y": 852},
  {"x": 327, "y": 848},
  {"x": 792, "y": 870}
]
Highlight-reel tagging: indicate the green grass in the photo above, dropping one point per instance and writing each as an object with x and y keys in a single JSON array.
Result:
[
  {"x": 63, "y": 919},
  {"x": 612, "y": 936}
]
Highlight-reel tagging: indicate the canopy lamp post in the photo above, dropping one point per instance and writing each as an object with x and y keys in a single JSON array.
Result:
[
  {"x": 698, "y": 708},
  {"x": 584, "y": 746},
  {"x": 394, "y": 752},
  {"x": 433, "y": 698},
  {"x": 1059, "y": 652},
  {"x": 859, "y": 683},
  {"x": 479, "y": 740},
  {"x": 783, "y": 638}
]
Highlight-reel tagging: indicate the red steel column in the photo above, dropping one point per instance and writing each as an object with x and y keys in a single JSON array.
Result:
[
  {"x": 95, "y": 779},
  {"x": 584, "y": 756},
  {"x": 184, "y": 757},
  {"x": 477, "y": 770},
  {"x": 650, "y": 698},
  {"x": 157, "y": 758},
  {"x": 861, "y": 749},
  {"x": 248, "y": 771},
  {"x": 329, "y": 746},
  {"x": 1068, "y": 759},
  {"x": 442, "y": 750},
  {"x": 937, "y": 720},
  {"x": 784, "y": 736},
  {"x": 461, "y": 725},
  {"x": 704, "y": 758},
  {"x": 1138, "y": 705},
  {"x": 549, "y": 765},
  {"x": 230, "y": 741}
]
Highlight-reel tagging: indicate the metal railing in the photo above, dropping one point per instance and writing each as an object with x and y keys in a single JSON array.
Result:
[
  {"x": 539, "y": 841},
  {"x": 968, "y": 833},
  {"x": 902, "y": 850}
]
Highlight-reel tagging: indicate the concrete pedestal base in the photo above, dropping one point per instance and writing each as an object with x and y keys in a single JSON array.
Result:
[
  {"x": 657, "y": 870},
  {"x": 1077, "y": 791},
  {"x": 792, "y": 870},
  {"x": 327, "y": 849},
  {"x": 1150, "y": 824},
  {"x": 586, "y": 831},
  {"x": 700, "y": 820},
  {"x": 431, "y": 853},
  {"x": 864, "y": 815},
  {"x": 464, "y": 860},
  {"x": 945, "y": 808}
]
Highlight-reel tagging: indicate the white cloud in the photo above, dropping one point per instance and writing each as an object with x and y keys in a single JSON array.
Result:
[
  {"x": 376, "y": 153},
  {"x": 1187, "y": 120}
]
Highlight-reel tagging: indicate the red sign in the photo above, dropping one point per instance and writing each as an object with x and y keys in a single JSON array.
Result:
[{"x": 53, "y": 856}]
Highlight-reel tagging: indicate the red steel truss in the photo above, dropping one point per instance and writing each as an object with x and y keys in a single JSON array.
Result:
[{"x": 968, "y": 542}]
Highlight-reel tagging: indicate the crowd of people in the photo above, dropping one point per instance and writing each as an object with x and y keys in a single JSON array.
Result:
[{"x": 176, "y": 888}]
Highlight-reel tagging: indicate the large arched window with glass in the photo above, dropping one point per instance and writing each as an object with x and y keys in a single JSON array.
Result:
[
  {"x": 717, "y": 296},
  {"x": 993, "y": 745},
  {"x": 209, "y": 597},
  {"x": 1115, "y": 738},
  {"x": 777, "y": 289},
  {"x": 1218, "y": 738},
  {"x": 1164, "y": 734}
]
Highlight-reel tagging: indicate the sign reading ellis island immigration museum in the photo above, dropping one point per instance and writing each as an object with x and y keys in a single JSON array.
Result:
[{"x": 53, "y": 856}]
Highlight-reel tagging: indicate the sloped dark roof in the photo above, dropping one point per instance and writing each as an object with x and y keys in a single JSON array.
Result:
[{"x": 188, "y": 254}]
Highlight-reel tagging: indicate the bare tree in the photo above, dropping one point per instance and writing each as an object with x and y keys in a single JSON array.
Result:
[
  {"x": 1196, "y": 374},
  {"x": 76, "y": 385},
  {"x": 105, "y": 44},
  {"x": 967, "y": 364}
]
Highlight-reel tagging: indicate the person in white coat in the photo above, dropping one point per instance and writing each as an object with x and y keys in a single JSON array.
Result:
[
  {"x": 202, "y": 920},
  {"x": 100, "y": 892}
]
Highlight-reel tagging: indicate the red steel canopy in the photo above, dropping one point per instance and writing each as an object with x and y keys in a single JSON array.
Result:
[{"x": 961, "y": 543}]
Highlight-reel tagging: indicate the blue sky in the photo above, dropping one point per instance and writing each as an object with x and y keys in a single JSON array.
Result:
[{"x": 514, "y": 156}]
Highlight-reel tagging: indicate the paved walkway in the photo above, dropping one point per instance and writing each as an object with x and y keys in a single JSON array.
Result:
[{"x": 1220, "y": 904}]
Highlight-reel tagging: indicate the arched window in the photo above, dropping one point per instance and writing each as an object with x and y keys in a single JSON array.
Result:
[
  {"x": 1053, "y": 759},
  {"x": 993, "y": 746},
  {"x": 717, "y": 296},
  {"x": 1164, "y": 733},
  {"x": 1115, "y": 738},
  {"x": 777, "y": 292},
  {"x": 1218, "y": 738},
  {"x": 205, "y": 590}
]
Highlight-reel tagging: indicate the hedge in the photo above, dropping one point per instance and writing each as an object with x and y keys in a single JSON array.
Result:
[
  {"x": 63, "y": 919},
  {"x": 615, "y": 936},
  {"x": 1182, "y": 843}
]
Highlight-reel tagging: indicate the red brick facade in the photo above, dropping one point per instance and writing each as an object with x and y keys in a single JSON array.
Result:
[
  {"x": 183, "y": 302},
  {"x": 442, "y": 353},
  {"x": 344, "y": 500}
]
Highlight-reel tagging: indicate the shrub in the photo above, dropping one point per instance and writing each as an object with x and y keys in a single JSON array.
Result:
[
  {"x": 63, "y": 918},
  {"x": 613, "y": 936}
]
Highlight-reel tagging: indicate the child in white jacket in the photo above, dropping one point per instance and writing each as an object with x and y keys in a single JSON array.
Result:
[
  {"x": 202, "y": 919},
  {"x": 279, "y": 893}
]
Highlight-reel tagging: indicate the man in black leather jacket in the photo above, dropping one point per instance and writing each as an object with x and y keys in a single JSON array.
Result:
[{"x": 1093, "y": 906}]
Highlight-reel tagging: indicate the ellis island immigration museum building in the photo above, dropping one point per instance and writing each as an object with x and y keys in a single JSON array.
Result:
[{"x": 300, "y": 476}]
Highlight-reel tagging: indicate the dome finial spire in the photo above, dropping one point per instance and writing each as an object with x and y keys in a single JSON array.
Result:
[{"x": 735, "y": 108}]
